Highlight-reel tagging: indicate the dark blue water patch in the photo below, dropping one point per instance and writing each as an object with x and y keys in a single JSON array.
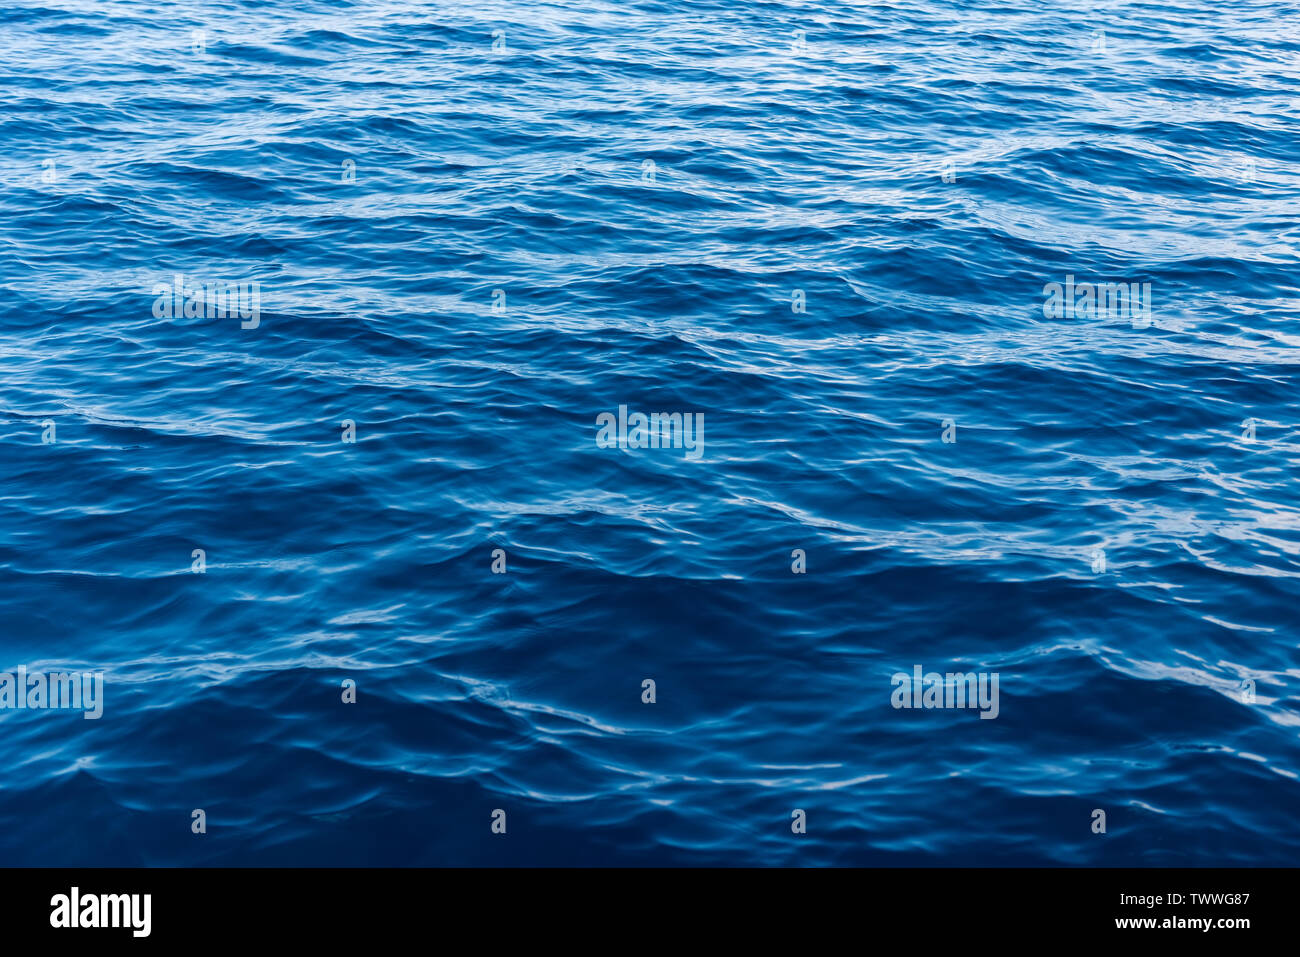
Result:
[{"x": 827, "y": 233}]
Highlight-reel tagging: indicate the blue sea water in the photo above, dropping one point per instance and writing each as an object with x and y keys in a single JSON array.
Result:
[{"x": 825, "y": 227}]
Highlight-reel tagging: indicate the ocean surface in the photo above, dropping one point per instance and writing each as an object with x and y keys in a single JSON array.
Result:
[{"x": 826, "y": 233}]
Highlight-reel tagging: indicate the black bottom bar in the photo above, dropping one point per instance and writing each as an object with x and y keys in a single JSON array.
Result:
[{"x": 335, "y": 907}]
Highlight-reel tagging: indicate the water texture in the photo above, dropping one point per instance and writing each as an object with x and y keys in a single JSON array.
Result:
[{"x": 827, "y": 229}]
